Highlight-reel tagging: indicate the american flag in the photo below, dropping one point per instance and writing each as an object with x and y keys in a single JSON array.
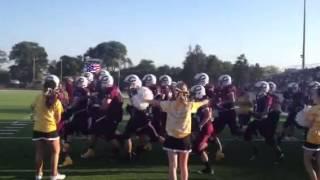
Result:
[{"x": 92, "y": 67}]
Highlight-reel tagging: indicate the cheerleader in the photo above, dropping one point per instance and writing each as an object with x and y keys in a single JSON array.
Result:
[
  {"x": 47, "y": 110},
  {"x": 311, "y": 146},
  {"x": 178, "y": 127}
]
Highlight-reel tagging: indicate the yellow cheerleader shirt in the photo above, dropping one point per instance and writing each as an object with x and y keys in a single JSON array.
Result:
[
  {"x": 313, "y": 115},
  {"x": 45, "y": 120},
  {"x": 178, "y": 123}
]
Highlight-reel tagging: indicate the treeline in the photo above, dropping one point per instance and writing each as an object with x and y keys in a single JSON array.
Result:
[{"x": 31, "y": 63}]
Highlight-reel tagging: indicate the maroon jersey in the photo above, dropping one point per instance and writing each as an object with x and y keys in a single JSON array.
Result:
[
  {"x": 92, "y": 87},
  {"x": 275, "y": 104},
  {"x": 225, "y": 97},
  {"x": 69, "y": 89},
  {"x": 263, "y": 103},
  {"x": 204, "y": 115},
  {"x": 165, "y": 93},
  {"x": 82, "y": 96},
  {"x": 63, "y": 97},
  {"x": 210, "y": 91}
]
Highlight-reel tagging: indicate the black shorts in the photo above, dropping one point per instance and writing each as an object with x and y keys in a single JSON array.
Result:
[
  {"x": 173, "y": 144},
  {"x": 50, "y": 136},
  {"x": 311, "y": 147}
]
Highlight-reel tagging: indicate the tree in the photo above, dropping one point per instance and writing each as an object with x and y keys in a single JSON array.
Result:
[
  {"x": 3, "y": 57},
  {"x": 195, "y": 62},
  {"x": 147, "y": 66},
  {"x": 126, "y": 63},
  {"x": 240, "y": 71},
  {"x": 27, "y": 55},
  {"x": 270, "y": 71},
  {"x": 71, "y": 66},
  {"x": 113, "y": 53},
  {"x": 256, "y": 73}
]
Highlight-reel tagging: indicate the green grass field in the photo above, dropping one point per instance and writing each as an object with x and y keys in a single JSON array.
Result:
[{"x": 17, "y": 154}]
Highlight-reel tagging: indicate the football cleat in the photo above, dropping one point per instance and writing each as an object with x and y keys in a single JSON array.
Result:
[
  {"x": 89, "y": 154},
  {"x": 67, "y": 162},
  {"x": 206, "y": 171}
]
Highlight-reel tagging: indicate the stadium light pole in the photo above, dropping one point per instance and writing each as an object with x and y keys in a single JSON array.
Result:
[{"x": 303, "y": 56}]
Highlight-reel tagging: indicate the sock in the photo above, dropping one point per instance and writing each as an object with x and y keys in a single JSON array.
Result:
[{"x": 207, "y": 165}]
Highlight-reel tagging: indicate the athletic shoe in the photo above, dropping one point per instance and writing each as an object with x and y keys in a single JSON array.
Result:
[
  {"x": 38, "y": 177},
  {"x": 253, "y": 157},
  {"x": 67, "y": 162},
  {"x": 206, "y": 171},
  {"x": 279, "y": 158},
  {"x": 219, "y": 155},
  {"x": 58, "y": 177},
  {"x": 89, "y": 154}
]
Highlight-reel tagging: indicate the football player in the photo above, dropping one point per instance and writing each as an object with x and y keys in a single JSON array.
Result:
[
  {"x": 140, "y": 119},
  {"x": 265, "y": 123},
  {"x": 75, "y": 118},
  {"x": 226, "y": 98},
  {"x": 296, "y": 101},
  {"x": 203, "y": 128},
  {"x": 105, "y": 113}
]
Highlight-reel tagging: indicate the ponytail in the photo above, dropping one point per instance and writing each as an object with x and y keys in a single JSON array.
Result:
[{"x": 49, "y": 93}]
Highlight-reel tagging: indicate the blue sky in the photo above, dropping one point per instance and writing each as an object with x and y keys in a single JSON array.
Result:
[{"x": 267, "y": 31}]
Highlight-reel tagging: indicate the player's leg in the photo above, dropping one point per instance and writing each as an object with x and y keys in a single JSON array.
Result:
[
  {"x": 308, "y": 159},
  {"x": 39, "y": 156},
  {"x": 183, "y": 165},
  {"x": 231, "y": 119},
  {"x": 248, "y": 136},
  {"x": 173, "y": 165}
]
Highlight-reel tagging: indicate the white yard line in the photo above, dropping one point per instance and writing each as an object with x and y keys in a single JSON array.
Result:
[
  {"x": 7, "y": 133},
  {"x": 62, "y": 170},
  {"x": 223, "y": 140},
  {"x": 8, "y": 130},
  {"x": 19, "y": 124},
  {"x": 16, "y": 127}
]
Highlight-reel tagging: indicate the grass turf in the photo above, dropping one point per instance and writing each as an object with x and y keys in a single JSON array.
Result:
[{"x": 17, "y": 155}]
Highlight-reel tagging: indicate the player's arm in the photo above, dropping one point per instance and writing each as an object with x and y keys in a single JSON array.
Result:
[
  {"x": 153, "y": 102},
  {"x": 207, "y": 116}
]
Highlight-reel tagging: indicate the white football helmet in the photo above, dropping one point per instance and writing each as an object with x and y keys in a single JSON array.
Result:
[
  {"x": 149, "y": 79},
  {"x": 107, "y": 81},
  {"x": 165, "y": 80},
  {"x": 198, "y": 91},
  {"x": 82, "y": 82},
  {"x": 293, "y": 86},
  {"x": 225, "y": 80},
  {"x": 201, "y": 79},
  {"x": 133, "y": 81},
  {"x": 314, "y": 85},
  {"x": 53, "y": 78},
  {"x": 262, "y": 87},
  {"x": 102, "y": 73},
  {"x": 273, "y": 86},
  {"x": 89, "y": 76}
]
